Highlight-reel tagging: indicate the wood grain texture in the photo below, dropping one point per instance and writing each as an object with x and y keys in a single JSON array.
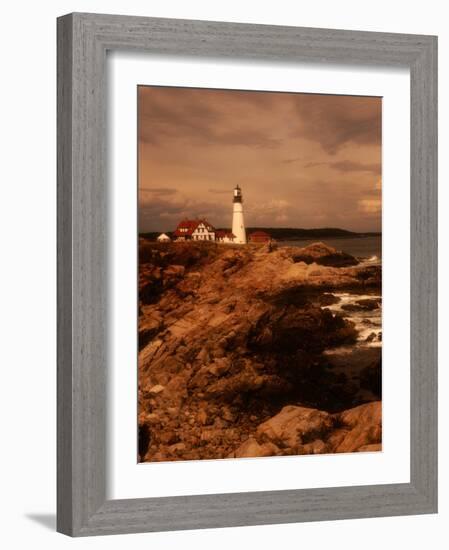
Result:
[{"x": 83, "y": 40}]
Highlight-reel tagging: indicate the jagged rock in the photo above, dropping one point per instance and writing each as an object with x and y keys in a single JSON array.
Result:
[
  {"x": 294, "y": 426},
  {"x": 323, "y": 254},
  {"x": 365, "y": 304},
  {"x": 251, "y": 448},
  {"x": 227, "y": 414},
  {"x": 177, "y": 447},
  {"x": 150, "y": 324},
  {"x": 152, "y": 418},
  {"x": 315, "y": 447},
  {"x": 289, "y": 328},
  {"x": 220, "y": 366},
  {"x": 375, "y": 447},
  {"x": 247, "y": 382},
  {"x": 328, "y": 299},
  {"x": 364, "y": 427},
  {"x": 369, "y": 303},
  {"x": 299, "y": 430},
  {"x": 169, "y": 437},
  {"x": 174, "y": 271},
  {"x": 202, "y": 417}
]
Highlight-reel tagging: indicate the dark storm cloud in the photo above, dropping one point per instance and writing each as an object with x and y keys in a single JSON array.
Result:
[
  {"x": 164, "y": 113},
  {"x": 335, "y": 121},
  {"x": 159, "y": 212},
  {"x": 199, "y": 116}
]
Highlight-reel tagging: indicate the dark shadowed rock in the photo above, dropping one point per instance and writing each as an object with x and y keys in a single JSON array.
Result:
[
  {"x": 323, "y": 254},
  {"x": 290, "y": 328},
  {"x": 365, "y": 304},
  {"x": 369, "y": 303},
  {"x": 327, "y": 299}
]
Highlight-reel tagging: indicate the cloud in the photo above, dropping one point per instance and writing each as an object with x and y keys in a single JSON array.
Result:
[
  {"x": 220, "y": 191},
  {"x": 159, "y": 190},
  {"x": 289, "y": 161},
  {"x": 198, "y": 116},
  {"x": 370, "y": 206},
  {"x": 335, "y": 121},
  {"x": 164, "y": 214},
  {"x": 346, "y": 166},
  {"x": 271, "y": 212}
]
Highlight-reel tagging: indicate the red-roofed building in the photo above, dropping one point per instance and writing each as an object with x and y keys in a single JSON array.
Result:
[
  {"x": 224, "y": 236},
  {"x": 195, "y": 230},
  {"x": 259, "y": 237}
]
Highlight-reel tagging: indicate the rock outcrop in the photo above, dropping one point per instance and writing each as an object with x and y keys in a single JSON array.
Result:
[
  {"x": 298, "y": 430},
  {"x": 322, "y": 254},
  {"x": 232, "y": 337}
]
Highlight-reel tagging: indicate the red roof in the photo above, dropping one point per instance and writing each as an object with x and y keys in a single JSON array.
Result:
[
  {"x": 189, "y": 226},
  {"x": 222, "y": 234}
]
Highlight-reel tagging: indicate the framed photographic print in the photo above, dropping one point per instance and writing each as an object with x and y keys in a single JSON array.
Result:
[{"x": 246, "y": 274}]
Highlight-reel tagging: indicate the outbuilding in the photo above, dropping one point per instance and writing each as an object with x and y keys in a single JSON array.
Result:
[
  {"x": 163, "y": 238},
  {"x": 259, "y": 237}
]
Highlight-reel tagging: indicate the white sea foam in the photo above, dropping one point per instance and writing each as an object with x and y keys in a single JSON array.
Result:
[
  {"x": 368, "y": 323},
  {"x": 373, "y": 260}
]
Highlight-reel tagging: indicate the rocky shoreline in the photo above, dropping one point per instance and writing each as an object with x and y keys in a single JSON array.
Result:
[{"x": 248, "y": 351}]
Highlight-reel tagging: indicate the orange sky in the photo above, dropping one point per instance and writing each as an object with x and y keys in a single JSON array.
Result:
[{"x": 302, "y": 160}]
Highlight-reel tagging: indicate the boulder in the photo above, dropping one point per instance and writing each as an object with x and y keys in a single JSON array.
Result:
[
  {"x": 369, "y": 303},
  {"x": 251, "y": 448},
  {"x": 325, "y": 255},
  {"x": 363, "y": 425},
  {"x": 327, "y": 299},
  {"x": 294, "y": 426}
]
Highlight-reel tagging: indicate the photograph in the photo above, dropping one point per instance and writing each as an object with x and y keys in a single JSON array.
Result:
[{"x": 259, "y": 274}]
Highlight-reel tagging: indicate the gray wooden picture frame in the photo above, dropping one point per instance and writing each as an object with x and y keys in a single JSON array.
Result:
[{"x": 83, "y": 40}]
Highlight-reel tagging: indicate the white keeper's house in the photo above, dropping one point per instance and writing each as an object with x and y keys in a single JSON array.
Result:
[{"x": 194, "y": 230}]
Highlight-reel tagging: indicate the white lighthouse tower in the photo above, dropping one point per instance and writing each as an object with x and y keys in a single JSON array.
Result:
[{"x": 238, "y": 224}]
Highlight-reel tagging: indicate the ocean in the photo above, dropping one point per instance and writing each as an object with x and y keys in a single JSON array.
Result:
[{"x": 368, "y": 248}]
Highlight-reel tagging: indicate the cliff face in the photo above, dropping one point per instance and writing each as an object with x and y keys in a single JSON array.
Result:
[{"x": 234, "y": 353}]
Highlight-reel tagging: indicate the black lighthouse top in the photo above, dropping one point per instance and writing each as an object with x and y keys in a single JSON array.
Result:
[{"x": 237, "y": 194}]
